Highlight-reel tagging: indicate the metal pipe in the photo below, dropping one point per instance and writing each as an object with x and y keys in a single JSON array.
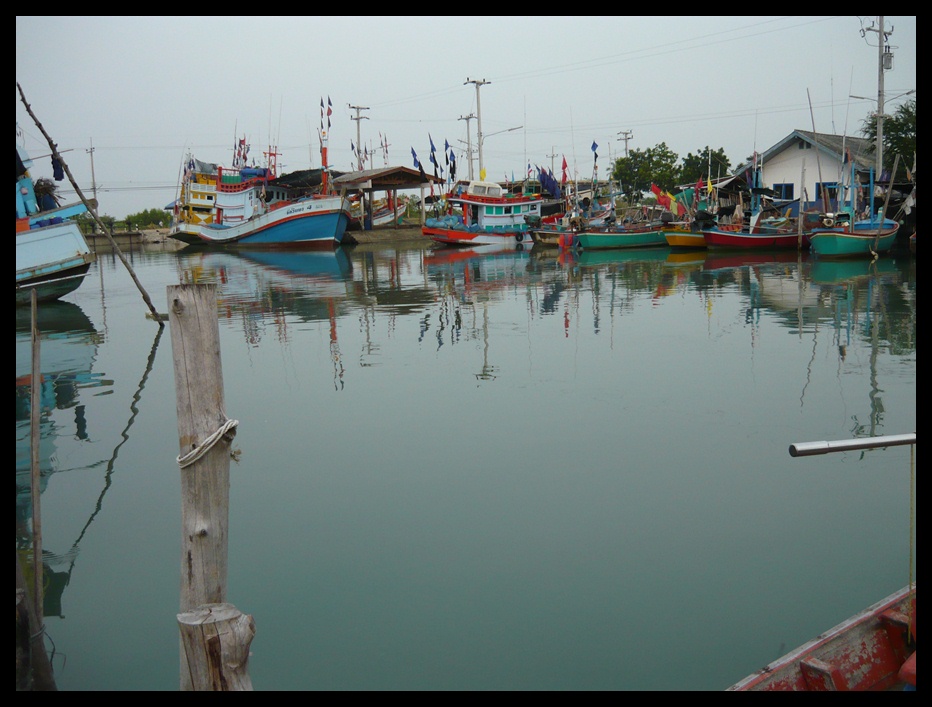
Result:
[{"x": 808, "y": 449}]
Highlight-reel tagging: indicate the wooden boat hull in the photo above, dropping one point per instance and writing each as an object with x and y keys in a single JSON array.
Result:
[
  {"x": 52, "y": 260},
  {"x": 620, "y": 239},
  {"x": 715, "y": 238},
  {"x": 863, "y": 653},
  {"x": 466, "y": 238},
  {"x": 860, "y": 242},
  {"x": 313, "y": 222},
  {"x": 685, "y": 239}
]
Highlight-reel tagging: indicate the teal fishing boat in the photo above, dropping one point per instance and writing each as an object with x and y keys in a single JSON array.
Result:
[{"x": 621, "y": 238}]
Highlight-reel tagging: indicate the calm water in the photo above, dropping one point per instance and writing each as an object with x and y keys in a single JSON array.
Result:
[{"x": 483, "y": 471}]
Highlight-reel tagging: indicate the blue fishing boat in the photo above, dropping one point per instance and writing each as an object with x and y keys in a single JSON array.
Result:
[
  {"x": 252, "y": 208},
  {"x": 52, "y": 255},
  {"x": 489, "y": 215}
]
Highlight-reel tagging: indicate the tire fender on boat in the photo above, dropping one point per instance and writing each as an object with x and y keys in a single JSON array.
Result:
[{"x": 519, "y": 237}]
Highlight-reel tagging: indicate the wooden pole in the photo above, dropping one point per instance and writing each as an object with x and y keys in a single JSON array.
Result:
[
  {"x": 35, "y": 673},
  {"x": 216, "y": 640},
  {"x": 204, "y": 436},
  {"x": 91, "y": 209},
  {"x": 35, "y": 403}
]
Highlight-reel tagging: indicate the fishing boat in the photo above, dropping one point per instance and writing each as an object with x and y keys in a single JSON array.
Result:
[
  {"x": 684, "y": 235},
  {"x": 252, "y": 208},
  {"x": 874, "y": 650},
  {"x": 384, "y": 212},
  {"x": 842, "y": 239},
  {"x": 490, "y": 214},
  {"x": 843, "y": 235},
  {"x": 52, "y": 255},
  {"x": 621, "y": 237}
]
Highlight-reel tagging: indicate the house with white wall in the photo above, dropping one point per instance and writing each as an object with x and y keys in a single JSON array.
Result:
[{"x": 804, "y": 163}]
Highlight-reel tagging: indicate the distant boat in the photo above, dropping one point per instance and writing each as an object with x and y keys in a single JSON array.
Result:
[
  {"x": 490, "y": 215},
  {"x": 251, "y": 211},
  {"x": 384, "y": 212},
  {"x": 52, "y": 255},
  {"x": 874, "y": 650}
]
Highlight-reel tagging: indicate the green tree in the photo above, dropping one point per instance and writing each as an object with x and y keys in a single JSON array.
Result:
[
  {"x": 641, "y": 168},
  {"x": 698, "y": 165},
  {"x": 899, "y": 134}
]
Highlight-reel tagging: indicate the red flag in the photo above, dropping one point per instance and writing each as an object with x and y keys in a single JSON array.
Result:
[
  {"x": 563, "y": 180},
  {"x": 656, "y": 190}
]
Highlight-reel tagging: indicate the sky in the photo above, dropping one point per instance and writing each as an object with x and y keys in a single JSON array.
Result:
[{"x": 126, "y": 99}]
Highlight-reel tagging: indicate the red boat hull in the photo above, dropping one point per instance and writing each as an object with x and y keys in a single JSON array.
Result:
[
  {"x": 871, "y": 651},
  {"x": 743, "y": 239}
]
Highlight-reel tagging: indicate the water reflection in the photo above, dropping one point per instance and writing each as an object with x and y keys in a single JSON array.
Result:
[{"x": 68, "y": 343}]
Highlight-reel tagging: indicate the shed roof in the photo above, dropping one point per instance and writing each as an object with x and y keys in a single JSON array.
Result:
[{"x": 385, "y": 178}]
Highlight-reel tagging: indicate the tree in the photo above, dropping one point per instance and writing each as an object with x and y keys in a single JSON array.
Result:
[
  {"x": 698, "y": 166},
  {"x": 899, "y": 134},
  {"x": 641, "y": 168}
]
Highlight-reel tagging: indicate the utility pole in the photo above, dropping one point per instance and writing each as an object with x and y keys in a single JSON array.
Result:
[
  {"x": 358, "y": 145},
  {"x": 478, "y": 83},
  {"x": 626, "y": 135},
  {"x": 93, "y": 180},
  {"x": 551, "y": 156},
  {"x": 467, "y": 118},
  {"x": 884, "y": 62}
]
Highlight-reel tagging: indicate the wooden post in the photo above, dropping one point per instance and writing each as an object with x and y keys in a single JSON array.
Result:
[
  {"x": 204, "y": 435},
  {"x": 216, "y": 640}
]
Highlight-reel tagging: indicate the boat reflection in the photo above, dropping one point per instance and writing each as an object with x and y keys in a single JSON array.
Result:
[{"x": 257, "y": 285}]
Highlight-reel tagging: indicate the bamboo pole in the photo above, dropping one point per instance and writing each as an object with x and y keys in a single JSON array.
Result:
[{"x": 91, "y": 209}]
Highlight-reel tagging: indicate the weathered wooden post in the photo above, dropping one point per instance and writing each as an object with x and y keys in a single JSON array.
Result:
[{"x": 204, "y": 436}]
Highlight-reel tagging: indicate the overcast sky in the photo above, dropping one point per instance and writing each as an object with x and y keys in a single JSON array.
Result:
[{"x": 144, "y": 91}]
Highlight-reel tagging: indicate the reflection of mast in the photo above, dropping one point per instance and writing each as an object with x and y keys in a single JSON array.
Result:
[
  {"x": 59, "y": 580},
  {"x": 487, "y": 370},
  {"x": 335, "y": 346}
]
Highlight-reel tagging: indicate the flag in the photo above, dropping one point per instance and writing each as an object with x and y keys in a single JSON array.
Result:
[
  {"x": 58, "y": 171},
  {"x": 352, "y": 147},
  {"x": 321, "y": 112},
  {"x": 529, "y": 169},
  {"x": 329, "y": 111},
  {"x": 414, "y": 155},
  {"x": 432, "y": 148},
  {"x": 565, "y": 176},
  {"x": 446, "y": 153},
  {"x": 452, "y": 166},
  {"x": 594, "y": 148}
]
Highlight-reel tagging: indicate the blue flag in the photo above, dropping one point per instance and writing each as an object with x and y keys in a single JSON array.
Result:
[
  {"x": 414, "y": 155},
  {"x": 594, "y": 146}
]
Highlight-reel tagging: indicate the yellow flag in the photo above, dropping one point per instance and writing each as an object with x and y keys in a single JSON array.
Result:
[{"x": 482, "y": 175}]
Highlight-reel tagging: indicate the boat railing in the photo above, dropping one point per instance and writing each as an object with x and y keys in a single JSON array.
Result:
[{"x": 808, "y": 449}]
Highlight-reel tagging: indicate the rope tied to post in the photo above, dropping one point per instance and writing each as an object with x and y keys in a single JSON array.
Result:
[{"x": 201, "y": 449}]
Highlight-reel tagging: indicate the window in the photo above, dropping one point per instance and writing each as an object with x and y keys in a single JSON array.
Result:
[
  {"x": 783, "y": 191},
  {"x": 830, "y": 187},
  {"x": 804, "y": 145}
]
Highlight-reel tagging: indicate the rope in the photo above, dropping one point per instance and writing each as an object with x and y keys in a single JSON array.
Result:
[{"x": 205, "y": 446}]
